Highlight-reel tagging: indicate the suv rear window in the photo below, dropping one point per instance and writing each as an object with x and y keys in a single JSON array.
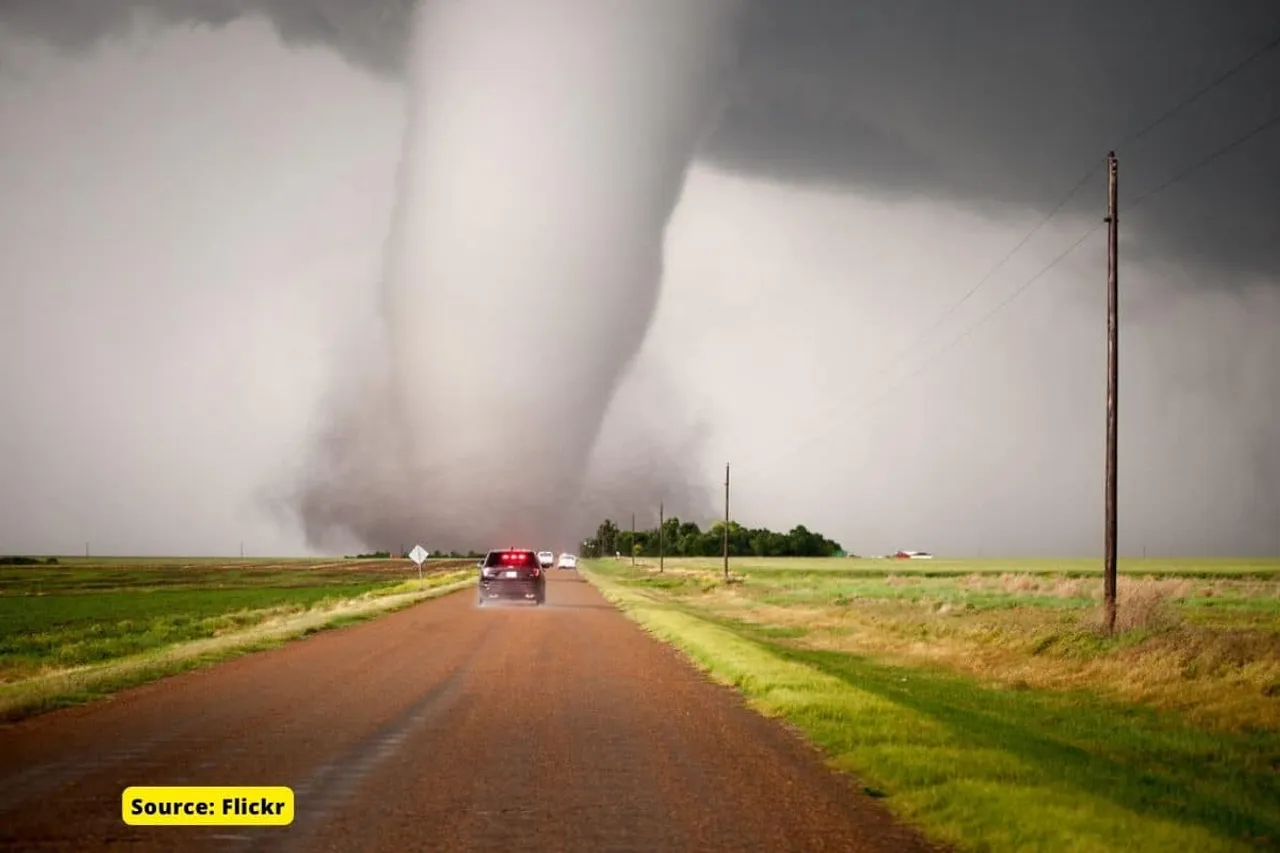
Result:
[{"x": 510, "y": 558}]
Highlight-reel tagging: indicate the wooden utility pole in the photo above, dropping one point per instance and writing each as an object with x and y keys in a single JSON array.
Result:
[
  {"x": 1113, "y": 383},
  {"x": 726, "y": 520},
  {"x": 660, "y": 535},
  {"x": 633, "y": 538}
]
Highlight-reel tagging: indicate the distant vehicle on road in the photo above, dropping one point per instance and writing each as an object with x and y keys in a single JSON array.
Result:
[
  {"x": 512, "y": 574},
  {"x": 546, "y": 559},
  {"x": 568, "y": 561}
]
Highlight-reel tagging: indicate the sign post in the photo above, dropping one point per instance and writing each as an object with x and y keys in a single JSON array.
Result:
[{"x": 419, "y": 556}]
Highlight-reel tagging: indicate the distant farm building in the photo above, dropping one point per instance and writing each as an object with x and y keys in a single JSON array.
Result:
[{"x": 913, "y": 555}]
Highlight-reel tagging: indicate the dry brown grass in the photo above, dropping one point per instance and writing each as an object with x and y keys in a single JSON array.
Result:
[
  {"x": 1021, "y": 583},
  {"x": 1223, "y": 679},
  {"x": 705, "y": 577},
  {"x": 1146, "y": 606},
  {"x": 1071, "y": 587}
]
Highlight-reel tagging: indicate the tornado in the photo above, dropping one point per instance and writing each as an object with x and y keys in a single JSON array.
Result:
[{"x": 545, "y": 149}]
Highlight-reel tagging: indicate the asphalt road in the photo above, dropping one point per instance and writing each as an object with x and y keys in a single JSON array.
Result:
[{"x": 445, "y": 727}]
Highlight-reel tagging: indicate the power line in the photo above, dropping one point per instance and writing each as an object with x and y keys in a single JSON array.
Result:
[
  {"x": 1180, "y": 176},
  {"x": 981, "y": 282},
  {"x": 1133, "y": 137},
  {"x": 1222, "y": 78},
  {"x": 996, "y": 310},
  {"x": 881, "y": 399},
  {"x": 1205, "y": 161},
  {"x": 1195, "y": 96},
  {"x": 901, "y": 356},
  {"x": 1113, "y": 392}
]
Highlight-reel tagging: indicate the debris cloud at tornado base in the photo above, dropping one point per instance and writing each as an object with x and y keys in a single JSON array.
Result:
[{"x": 545, "y": 148}]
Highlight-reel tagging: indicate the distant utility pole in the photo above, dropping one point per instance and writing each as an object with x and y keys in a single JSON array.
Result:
[
  {"x": 1113, "y": 383},
  {"x": 661, "y": 533},
  {"x": 633, "y": 538},
  {"x": 242, "y": 550},
  {"x": 726, "y": 520},
  {"x": 86, "y": 549}
]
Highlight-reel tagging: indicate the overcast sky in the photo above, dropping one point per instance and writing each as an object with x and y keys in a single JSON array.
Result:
[{"x": 193, "y": 214}]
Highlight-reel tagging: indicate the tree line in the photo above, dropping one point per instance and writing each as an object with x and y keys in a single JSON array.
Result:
[{"x": 686, "y": 539}]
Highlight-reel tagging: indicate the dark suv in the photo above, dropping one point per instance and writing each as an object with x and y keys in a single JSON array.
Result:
[{"x": 513, "y": 573}]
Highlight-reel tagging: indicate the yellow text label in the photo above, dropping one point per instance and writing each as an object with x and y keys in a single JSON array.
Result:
[{"x": 191, "y": 806}]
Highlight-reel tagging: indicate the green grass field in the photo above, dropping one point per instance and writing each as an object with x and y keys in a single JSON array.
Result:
[
  {"x": 1240, "y": 567},
  {"x": 84, "y": 627},
  {"x": 983, "y": 702}
]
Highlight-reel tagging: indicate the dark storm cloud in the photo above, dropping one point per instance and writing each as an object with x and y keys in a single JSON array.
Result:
[
  {"x": 369, "y": 32},
  {"x": 1000, "y": 101},
  {"x": 988, "y": 102}
]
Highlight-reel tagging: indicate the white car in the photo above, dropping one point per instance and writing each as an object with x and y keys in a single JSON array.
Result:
[
  {"x": 568, "y": 561},
  {"x": 546, "y": 559}
]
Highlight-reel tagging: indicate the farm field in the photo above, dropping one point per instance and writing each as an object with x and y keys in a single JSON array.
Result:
[
  {"x": 980, "y": 699},
  {"x": 82, "y": 627}
]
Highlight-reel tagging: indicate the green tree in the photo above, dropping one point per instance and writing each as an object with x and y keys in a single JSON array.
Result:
[
  {"x": 607, "y": 537},
  {"x": 686, "y": 539}
]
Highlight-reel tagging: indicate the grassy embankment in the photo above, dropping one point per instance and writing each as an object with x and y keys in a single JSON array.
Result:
[
  {"x": 980, "y": 700},
  {"x": 85, "y": 628}
]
